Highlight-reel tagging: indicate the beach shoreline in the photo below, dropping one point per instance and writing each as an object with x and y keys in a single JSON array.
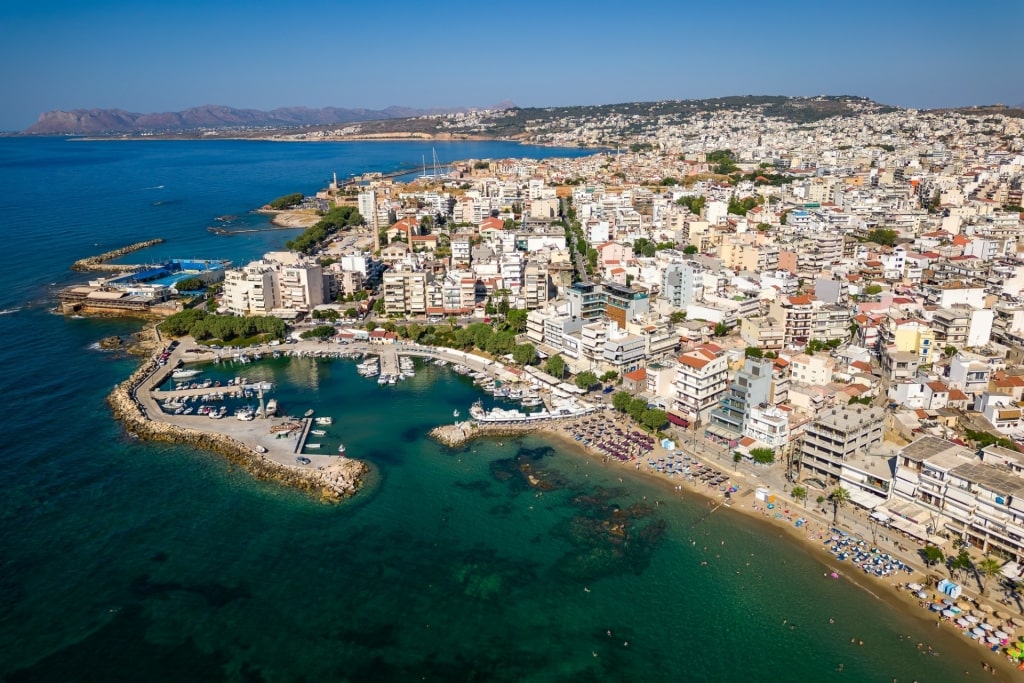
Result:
[{"x": 809, "y": 536}]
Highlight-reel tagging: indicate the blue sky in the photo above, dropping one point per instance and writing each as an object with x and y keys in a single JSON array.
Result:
[{"x": 150, "y": 57}]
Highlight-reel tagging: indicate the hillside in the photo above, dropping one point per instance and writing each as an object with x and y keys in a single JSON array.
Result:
[{"x": 209, "y": 117}]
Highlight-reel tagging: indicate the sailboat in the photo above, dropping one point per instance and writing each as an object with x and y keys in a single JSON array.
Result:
[{"x": 437, "y": 173}]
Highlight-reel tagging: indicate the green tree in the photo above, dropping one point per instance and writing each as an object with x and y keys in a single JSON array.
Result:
[
  {"x": 320, "y": 331},
  {"x": 653, "y": 418},
  {"x": 609, "y": 376},
  {"x": 190, "y": 284},
  {"x": 839, "y": 498},
  {"x": 677, "y": 317},
  {"x": 932, "y": 555},
  {"x": 799, "y": 494},
  {"x": 721, "y": 329},
  {"x": 949, "y": 351},
  {"x": 516, "y": 319},
  {"x": 987, "y": 569},
  {"x": 585, "y": 380},
  {"x": 694, "y": 203},
  {"x": 555, "y": 366},
  {"x": 753, "y": 352},
  {"x": 871, "y": 290},
  {"x": 286, "y": 202},
  {"x": 763, "y": 456},
  {"x": 524, "y": 354},
  {"x": 882, "y": 236},
  {"x": 690, "y": 249},
  {"x": 621, "y": 400}
]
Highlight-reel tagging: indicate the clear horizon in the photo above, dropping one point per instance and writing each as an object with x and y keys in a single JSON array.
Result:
[{"x": 112, "y": 54}]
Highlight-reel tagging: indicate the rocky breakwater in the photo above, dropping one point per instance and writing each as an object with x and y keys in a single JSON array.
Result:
[
  {"x": 100, "y": 262},
  {"x": 460, "y": 433},
  {"x": 335, "y": 482}
]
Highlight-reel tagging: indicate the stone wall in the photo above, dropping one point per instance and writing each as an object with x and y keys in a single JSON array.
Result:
[{"x": 333, "y": 483}]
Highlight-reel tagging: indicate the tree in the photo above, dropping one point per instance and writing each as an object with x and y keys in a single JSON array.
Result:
[
  {"x": 621, "y": 400},
  {"x": 839, "y": 498},
  {"x": 351, "y": 312},
  {"x": 763, "y": 456},
  {"x": 677, "y": 317},
  {"x": 585, "y": 380},
  {"x": 555, "y": 366},
  {"x": 287, "y": 201},
  {"x": 516, "y": 319},
  {"x": 932, "y": 555},
  {"x": 753, "y": 352},
  {"x": 721, "y": 329},
  {"x": 736, "y": 458},
  {"x": 653, "y": 418},
  {"x": 799, "y": 494},
  {"x": 320, "y": 331},
  {"x": 524, "y": 354},
  {"x": 949, "y": 351},
  {"x": 190, "y": 284},
  {"x": 872, "y": 290},
  {"x": 609, "y": 376},
  {"x": 987, "y": 568},
  {"x": 960, "y": 563},
  {"x": 882, "y": 236},
  {"x": 690, "y": 249}
]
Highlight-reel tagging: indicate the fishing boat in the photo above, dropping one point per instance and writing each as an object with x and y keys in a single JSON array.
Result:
[
  {"x": 272, "y": 407},
  {"x": 324, "y": 420}
]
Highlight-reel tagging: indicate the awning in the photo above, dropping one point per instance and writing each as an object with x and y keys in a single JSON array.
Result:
[
  {"x": 908, "y": 527},
  {"x": 905, "y": 487},
  {"x": 879, "y": 517},
  {"x": 864, "y": 500}
]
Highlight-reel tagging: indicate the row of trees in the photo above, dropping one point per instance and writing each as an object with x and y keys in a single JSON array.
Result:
[
  {"x": 334, "y": 220},
  {"x": 637, "y": 408},
  {"x": 203, "y": 325},
  {"x": 287, "y": 202}
]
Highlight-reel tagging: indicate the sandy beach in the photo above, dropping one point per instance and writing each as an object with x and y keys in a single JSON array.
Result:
[{"x": 781, "y": 520}]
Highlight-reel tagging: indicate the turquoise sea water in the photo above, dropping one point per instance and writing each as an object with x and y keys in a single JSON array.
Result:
[{"x": 129, "y": 561}]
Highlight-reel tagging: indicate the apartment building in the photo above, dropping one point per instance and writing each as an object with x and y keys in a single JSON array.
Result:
[
  {"x": 251, "y": 290},
  {"x": 752, "y": 387},
  {"x": 405, "y": 291},
  {"x": 836, "y": 436},
  {"x": 701, "y": 378}
]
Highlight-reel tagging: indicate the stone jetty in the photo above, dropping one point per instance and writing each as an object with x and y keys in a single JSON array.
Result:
[
  {"x": 339, "y": 479},
  {"x": 461, "y": 433},
  {"x": 99, "y": 263}
]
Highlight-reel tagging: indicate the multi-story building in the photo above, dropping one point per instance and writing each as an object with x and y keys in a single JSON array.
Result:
[
  {"x": 536, "y": 286},
  {"x": 836, "y": 436},
  {"x": 405, "y": 291},
  {"x": 701, "y": 379},
  {"x": 752, "y": 387},
  {"x": 618, "y": 303},
  {"x": 251, "y": 290},
  {"x": 301, "y": 286},
  {"x": 681, "y": 284}
]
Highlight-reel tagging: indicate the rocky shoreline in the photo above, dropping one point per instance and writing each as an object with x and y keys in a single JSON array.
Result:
[
  {"x": 332, "y": 483},
  {"x": 94, "y": 263},
  {"x": 461, "y": 433}
]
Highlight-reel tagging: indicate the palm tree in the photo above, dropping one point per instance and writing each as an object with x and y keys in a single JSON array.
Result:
[
  {"x": 839, "y": 498},
  {"x": 800, "y": 494},
  {"x": 987, "y": 568}
]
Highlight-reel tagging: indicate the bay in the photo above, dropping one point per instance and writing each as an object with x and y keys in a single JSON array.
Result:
[{"x": 122, "y": 560}]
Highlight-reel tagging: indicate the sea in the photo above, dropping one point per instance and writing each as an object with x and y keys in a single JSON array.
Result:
[{"x": 123, "y": 560}]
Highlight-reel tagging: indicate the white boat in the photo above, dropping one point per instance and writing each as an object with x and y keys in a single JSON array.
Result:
[
  {"x": 318, "y": 432},
  {"x": 244, "y": 414},
  {"x": 313, "y": 445},
  {"x": 455, "y": 413},
  {"x": 324, "y": 420},
  {"x": 272, "y": 407},
  {"x": 341, "y": 449},
  {"x": 185, "y": 374}
]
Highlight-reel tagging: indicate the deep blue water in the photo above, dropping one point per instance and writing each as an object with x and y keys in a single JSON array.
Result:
[{"x": 128, "y": 561}]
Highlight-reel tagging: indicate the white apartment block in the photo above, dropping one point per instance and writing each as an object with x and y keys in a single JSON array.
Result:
[{"x": 702, "y": 377}]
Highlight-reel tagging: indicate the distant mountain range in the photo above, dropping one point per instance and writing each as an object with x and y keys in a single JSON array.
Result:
[{"x": 116, "y": 121}]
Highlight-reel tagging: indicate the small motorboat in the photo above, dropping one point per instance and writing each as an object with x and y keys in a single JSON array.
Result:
[{"x": 341, "y": 449}]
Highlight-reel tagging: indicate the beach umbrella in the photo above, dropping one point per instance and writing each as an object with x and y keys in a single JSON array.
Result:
[
  {"x": 1002, "y": 635},
  {"x": 1014, "y": 653},
  {"x": 987, "y": 626},
  {"x": 948, "y": 613},
  {"x": 978, "y": 631},
  {"x": 971, "y": 618},
  {"x": 963, "y": 623},
  {"x": 985, "y": 607},
  {"x": 1002, "y": 614},
  {"x": 965, "y": 606},
  {"x": 993, "y": 640}
]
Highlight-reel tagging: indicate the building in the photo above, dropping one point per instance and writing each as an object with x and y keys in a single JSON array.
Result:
[
  {"x": 836, "y": 436},
  {"x": 751, "y": 388},
  {"x": 701, "y": 379}
]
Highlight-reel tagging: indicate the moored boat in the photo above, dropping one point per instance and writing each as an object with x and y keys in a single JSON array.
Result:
[
  {"x": 318, "y": 432},
  {"x": 324, "y": 420},
  {"x": 341, "y": 449},
  {"x": 185, "y": 374},
  {"x": 272, "y": 407}
]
